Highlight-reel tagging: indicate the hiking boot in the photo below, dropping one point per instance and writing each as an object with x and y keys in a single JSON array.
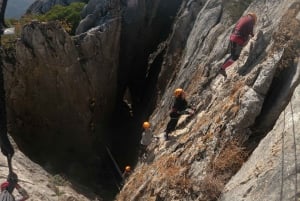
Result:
[{"x": 223, "y": 72}]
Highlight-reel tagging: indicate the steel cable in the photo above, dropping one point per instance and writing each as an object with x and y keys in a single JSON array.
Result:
[
  {"x": 282, "y": 157},
  {"x": 295, "y": 150}
]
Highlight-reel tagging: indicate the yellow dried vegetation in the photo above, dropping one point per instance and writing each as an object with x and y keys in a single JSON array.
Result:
[
  {"x": 207, "y": 137},
  {"x": 211, "y": 187},
  {"x": 229, "y": 161},
  {"x": 226, "y": 164},
  {"x": 174, "y": 174},
  {"x": 232, "y": 105}
]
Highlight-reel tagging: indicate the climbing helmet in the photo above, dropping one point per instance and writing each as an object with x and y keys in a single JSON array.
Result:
[
  {"x": 127, "y": 168},
  {"x": 178, "y": 92},
  {"x": 146, "y": 125}
]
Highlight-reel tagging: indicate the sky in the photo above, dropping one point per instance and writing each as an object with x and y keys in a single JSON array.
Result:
[{"x": 16, "y": 8}]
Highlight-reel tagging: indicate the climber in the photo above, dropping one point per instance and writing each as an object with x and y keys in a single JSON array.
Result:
[
  {"x": 127, "y": 172},
  {"x": 239, "y": 38},
  {"x": 8, "y": 186},
  {"x": 179, "y": 107},
  {"x": 147, "y": 136}
]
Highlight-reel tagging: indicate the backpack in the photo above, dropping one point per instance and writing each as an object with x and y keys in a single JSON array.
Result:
[{"x": 6, "y": 196}]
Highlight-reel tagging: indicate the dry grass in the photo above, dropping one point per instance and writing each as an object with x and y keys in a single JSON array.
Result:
[
  {"x": 218, "y": 119},
  {"x": 231, "y": 105},
  {"x": 174, "y": 174},
  {"x": 223, "y": 167},
  {"x": 229, "y": 160},
  {"x": 237, "y": 91},
  {"x": 211, "y": 188},
  {"x": 207, "y": 137}
]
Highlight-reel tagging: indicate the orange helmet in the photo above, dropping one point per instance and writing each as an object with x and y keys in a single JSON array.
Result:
[
  {"x": 254, "y": 16},
  {"x": 127, "y": 168},
  {"x": 178, "y": 92},
  {"x": 146, "y": 125}
]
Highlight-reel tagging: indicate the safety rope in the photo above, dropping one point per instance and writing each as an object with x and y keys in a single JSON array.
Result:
[
  {"x": 295, "y": 150},
  {"x": 282, "y": 153},
  {"x": 114, "y": 162},
  {"x": 282, "y": 157}
]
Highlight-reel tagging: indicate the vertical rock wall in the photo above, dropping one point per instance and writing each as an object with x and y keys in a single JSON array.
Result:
[
  {"x": 232, "y": 114},
  {"x": 58, "y": 94}
]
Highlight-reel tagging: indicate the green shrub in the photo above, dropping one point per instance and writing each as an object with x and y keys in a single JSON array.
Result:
[{"x": 68, "y": 15}]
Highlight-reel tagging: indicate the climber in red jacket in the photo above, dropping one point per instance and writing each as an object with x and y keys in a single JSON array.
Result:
[{"x": 239, "y": 38}]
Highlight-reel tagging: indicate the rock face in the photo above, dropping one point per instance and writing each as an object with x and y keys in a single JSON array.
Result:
[
  {"x": 95, "y": 13},
  {"x": 232, "y": 115},
  {"x": 240, "y": 144},
  {"x": 60, "y": 92},
  {"x": 272, "y": 170},
  {"x": 39, "y": 184},
  {"x": 67, "y": 77},
  {"x": 145, "y": 24}
]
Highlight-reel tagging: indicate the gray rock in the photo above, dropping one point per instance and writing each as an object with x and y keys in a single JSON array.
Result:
[
  {"x": 74, "y": 72},
  {"x": 232, "y": 114},
  {"x": 272, "y": 170},
  {"x": 199, "y": 159},
  {"x": 43, "y": 6},
  {"x": 96, "y": 13}
]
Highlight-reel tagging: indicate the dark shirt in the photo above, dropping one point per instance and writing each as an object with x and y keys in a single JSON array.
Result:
[{"x": 179, "y": 106}]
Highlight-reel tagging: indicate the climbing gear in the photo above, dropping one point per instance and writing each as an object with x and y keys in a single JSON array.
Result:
[
  {"x": 4, "y": 185},
  {"x": 12, "y": 180},
  {"x": 114, "y": 162},
  {"x": 146, "y": 125},
  {"x": 254, "y": 16},
  {"x": 6, "y": 196},
  {"x": 178, "y": 92},
  {"x": 127, "y": 168}
]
